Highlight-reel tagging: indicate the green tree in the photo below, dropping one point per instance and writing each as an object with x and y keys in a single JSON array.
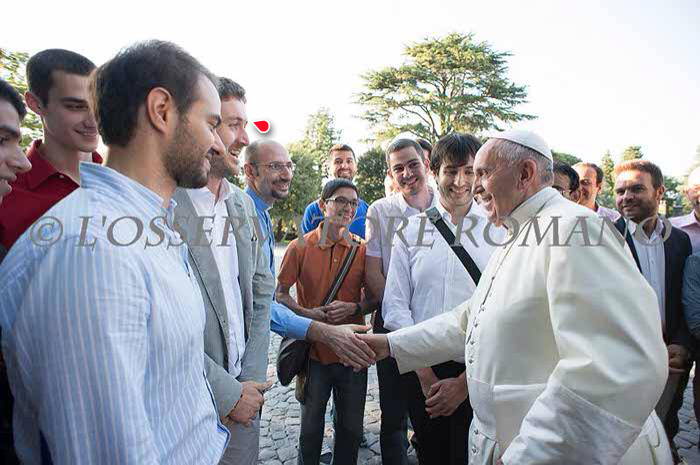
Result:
[
  {"x": 565, "y": 158},
  {"x": 309, "y": 154},
  {"x": 633, "y": 152},
  {"x": 12, "y": 70},
  {"x": 319, "y": 136},
  {"x": 371, "y": 171},
  {"x": 452, "y": 83},
  {"x": 607, "y": 193}
]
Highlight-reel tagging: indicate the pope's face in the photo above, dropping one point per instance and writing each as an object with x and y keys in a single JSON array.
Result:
[{"x": 495, "y": 184}]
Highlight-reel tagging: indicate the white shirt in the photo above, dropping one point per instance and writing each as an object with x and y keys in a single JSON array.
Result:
[
  {"x": 604, "y": 212},
  {"x": 385, "y": 218},
  {"x": 426, "y": 278},
  {"x": 652, "y": 260},
  {"x": 226, "y": 257}
]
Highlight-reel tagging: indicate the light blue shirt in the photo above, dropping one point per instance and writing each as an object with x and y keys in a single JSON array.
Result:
[
  {"x": 104, "y": 343},
  {"x": 284, "y": 321}
]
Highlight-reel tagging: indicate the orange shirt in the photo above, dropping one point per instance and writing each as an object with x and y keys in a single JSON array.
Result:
[{"x": 313, "y": 265}]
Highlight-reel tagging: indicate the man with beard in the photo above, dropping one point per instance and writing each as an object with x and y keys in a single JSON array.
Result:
[
  {"x": 59, "y": 94},
  {"x": 660, "y": 252},
  {"x": 591, "y": 179},
  {"x": 343, "y": 164},
  {"x": 269, "y": 171},
  {"x": 426, "y": 279},
  {"x": 409, "y": 169},
  {"x": 550, "y": 364},
  {"x": 234, "y": 278},
  {"x": 102, "y": 331}
]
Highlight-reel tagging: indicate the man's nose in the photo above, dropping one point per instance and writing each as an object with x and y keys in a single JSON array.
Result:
[{"x": 243, "y": 137}]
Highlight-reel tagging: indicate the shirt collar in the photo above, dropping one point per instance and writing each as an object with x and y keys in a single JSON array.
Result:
[
  {"x": 658, "y": 230},
  {"x": 473, "y": 209},
  {"x": 532, "y": 205},
  {"x": 225, "y": 192},
  {"x": 259, "y": 202},
  {"x": 113, "y": 184},
  {"x": 404, "y": 206},
  {"x": 41, "y": 168},
  {"x": 328, "y": 242},
  {"x": 687, "y": 220}
]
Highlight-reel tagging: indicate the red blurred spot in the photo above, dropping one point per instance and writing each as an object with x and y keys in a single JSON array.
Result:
[{"x": 262, "y": 126}]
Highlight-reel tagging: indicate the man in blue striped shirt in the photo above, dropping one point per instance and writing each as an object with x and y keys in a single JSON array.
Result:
[{"x": 102, "y": 320}]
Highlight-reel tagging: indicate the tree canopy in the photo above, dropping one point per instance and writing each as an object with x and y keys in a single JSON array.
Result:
[
  {"x": 452, "y": 83},
  {"x": 371, "y": 171},
  {"x": 12, "y": 70}
]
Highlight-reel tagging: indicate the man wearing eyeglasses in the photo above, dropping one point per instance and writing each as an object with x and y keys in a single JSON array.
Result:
[
  {"x": 313, "y": 264},
  {"x": 566, "y": 181},
  {"x": 591, "y": 182},
  {"x": 341, "y": 164},
  {"x": 269, "y": 172}
]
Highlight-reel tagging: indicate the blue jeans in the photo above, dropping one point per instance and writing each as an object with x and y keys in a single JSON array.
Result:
[{"x": 349, "y": 392}]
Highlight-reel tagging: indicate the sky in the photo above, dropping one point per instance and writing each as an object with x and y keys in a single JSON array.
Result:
[{"x": 600, "y": 75}]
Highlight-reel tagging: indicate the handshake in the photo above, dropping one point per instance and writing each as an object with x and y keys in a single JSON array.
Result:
[{"x": 353, "y": 347}]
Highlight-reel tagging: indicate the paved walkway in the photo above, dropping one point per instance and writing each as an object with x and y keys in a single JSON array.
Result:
[{"x": 279, "y": 427}]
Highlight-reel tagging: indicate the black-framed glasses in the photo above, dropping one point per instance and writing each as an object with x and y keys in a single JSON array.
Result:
[
  {"x": 343, "y": 202},
  {"x": 277, "y": 167}
]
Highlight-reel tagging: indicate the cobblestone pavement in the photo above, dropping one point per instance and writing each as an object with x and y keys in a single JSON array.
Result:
[{"x": 279, "y": 426}]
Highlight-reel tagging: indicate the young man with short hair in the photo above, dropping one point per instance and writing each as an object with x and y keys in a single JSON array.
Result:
[
  {"x": 235, "y": 280},
  {"x": 103, "y": 330},
  {"x": 313, "y": 265},
  {"x": 59, "y": 93},
  {"x": 409, "y": 170},
  {"x": 426, "y": 279},
  {"x": 13, "y": 161},
  {"x": 660, "y": 256},
  {"x": 342, "y": 164},
  {"x": 566, "y": 181}
]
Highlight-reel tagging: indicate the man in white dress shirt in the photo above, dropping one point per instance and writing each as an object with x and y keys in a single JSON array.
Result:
[
  {"x": 557, "y": 373},
  {"x": 386, "y": 219},
  {"x": 426, "y": 279}
]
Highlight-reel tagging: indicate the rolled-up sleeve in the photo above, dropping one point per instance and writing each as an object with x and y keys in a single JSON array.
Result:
[{"x": 691, "y": 294}]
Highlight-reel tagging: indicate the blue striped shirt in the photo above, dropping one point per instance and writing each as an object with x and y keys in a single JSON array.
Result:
[{"x": 104, "y": 343}]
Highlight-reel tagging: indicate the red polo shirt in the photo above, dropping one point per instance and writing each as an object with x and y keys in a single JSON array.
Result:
[{"x": 33, "y": 193}]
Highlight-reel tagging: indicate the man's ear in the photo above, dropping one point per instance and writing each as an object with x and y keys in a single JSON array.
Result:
[
  {"x": 527, "y": 172},
  {"x": 34, "y": 103},
  {"x": 161, "y": 111},
  {"x": 660, "y": 193}
]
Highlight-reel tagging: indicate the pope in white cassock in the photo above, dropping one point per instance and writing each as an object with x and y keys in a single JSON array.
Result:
[{"x": 561, "y": 339}]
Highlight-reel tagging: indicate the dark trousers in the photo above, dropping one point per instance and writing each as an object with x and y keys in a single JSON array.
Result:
[
  {"x": 349, "y": 392},
  {"x": 671, "y": 422},
  {"x": 393, "y": 430},
  {"x": 441, "y": 440}
]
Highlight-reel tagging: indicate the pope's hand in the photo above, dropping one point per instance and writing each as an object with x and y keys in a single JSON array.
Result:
[{"x": 378, "y": 343}]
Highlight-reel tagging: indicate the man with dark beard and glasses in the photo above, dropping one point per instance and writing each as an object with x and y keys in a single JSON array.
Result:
[
  {"x": 660, "y": 252},
  {"x": 103, "y": 329},
  {"x": 233, "y": 275}
]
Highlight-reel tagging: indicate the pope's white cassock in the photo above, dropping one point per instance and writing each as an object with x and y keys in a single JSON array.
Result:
[{"x": 563, "y": 347}]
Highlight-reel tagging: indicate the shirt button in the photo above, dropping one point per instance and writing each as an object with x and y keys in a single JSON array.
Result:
[
  {"x": 474, "y": 450},
  {"x": 60, "y": 176},
  {"x": 471, "y": 360},
  {"x": 476, "y": 323},
  {"x": 472, "y": 342},
  {"x": 476, "y": 432}
]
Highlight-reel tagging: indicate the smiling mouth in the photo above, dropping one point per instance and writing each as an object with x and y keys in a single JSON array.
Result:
[{"x": 87, "y": 133}]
